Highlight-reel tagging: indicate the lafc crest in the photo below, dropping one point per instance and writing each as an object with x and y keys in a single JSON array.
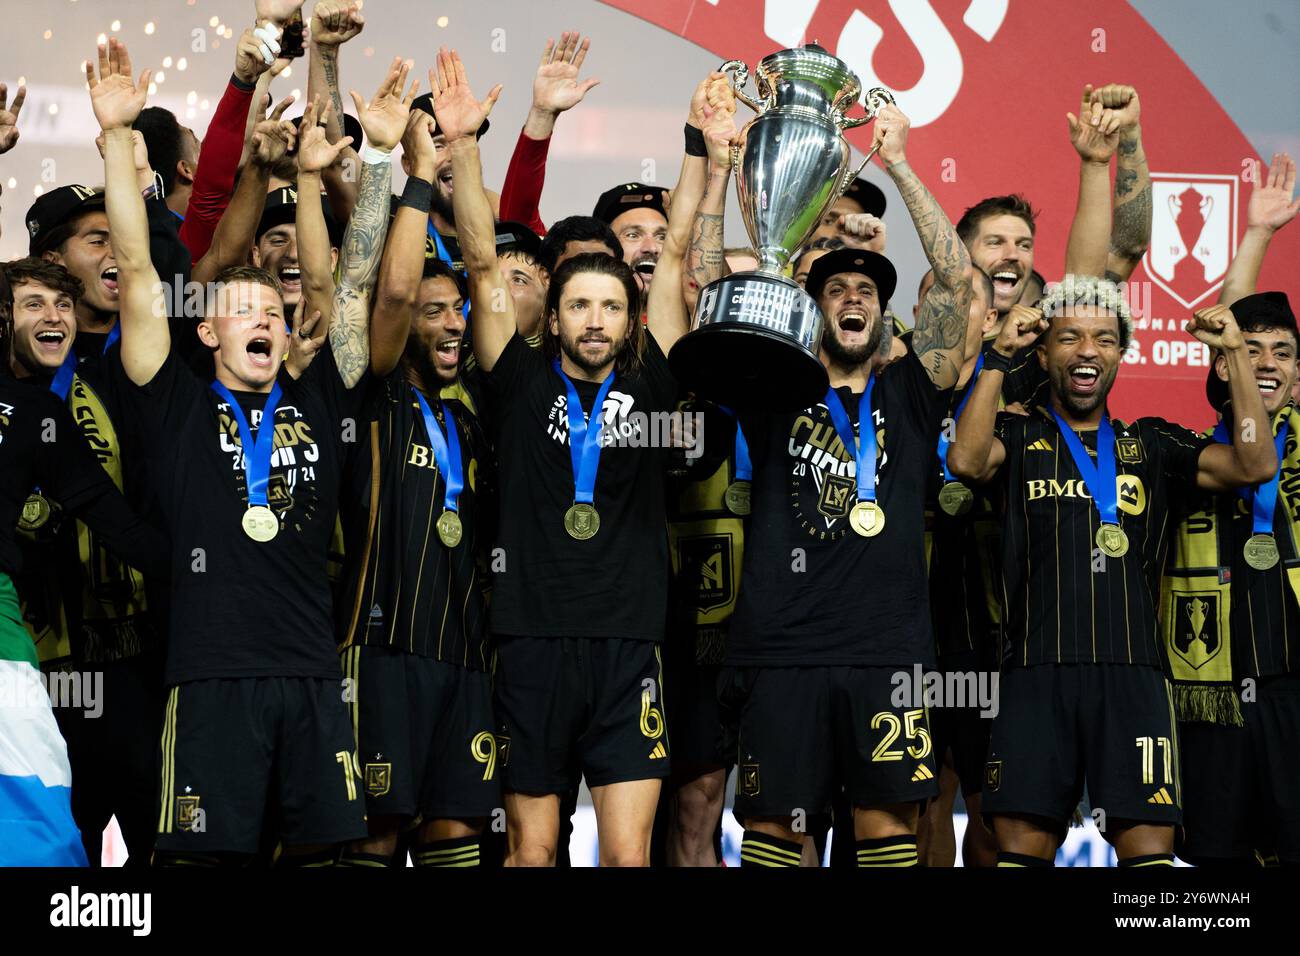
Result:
[{"x": 707, "y": 569}]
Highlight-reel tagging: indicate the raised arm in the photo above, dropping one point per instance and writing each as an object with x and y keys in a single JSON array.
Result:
[
  {"x": 116, "y": 102},
  {"x": 333, "y": 23},
  {"x": 402, "y": 267},
  {"x": 383, "y": 119},
  {"x": 1130, "y": 231},
  {"x": 976, "y": 453},
  {"x": 315, "y": 153},
  {"x": 939, "y": 337},
  {"x": 235, "y": 233},
  {"x": 459, "y": 116},
  {"x": 705, "y": 261},
  {"x": 1094, "y": 133},
  {"x": 1252, "y": 456},
  {"x": 1269, "y": 209}
]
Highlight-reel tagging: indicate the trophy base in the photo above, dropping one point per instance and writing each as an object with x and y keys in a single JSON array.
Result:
[{"x": 754, "y": 345}]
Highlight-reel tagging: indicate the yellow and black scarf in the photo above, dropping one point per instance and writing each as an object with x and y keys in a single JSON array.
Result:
[{"x": 1196, "y": 598}]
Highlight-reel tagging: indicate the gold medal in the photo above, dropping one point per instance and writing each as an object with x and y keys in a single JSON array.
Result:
[
  {"x": 1261, "y": 551},
  {"x": 449, "y": 528},
  {"x": 867, "y": 518},
  {"x": 260, "y": 523},
  {"x": 955, "y": 498},
  {"x": 1112, "y": 540},
  {"x": 582, "y": 521},
  {"x": 737, "y": 497},
  {"x": 36, "y": 513}
]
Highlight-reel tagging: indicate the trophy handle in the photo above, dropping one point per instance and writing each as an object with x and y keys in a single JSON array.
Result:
[{"x": 739, "y": 77}]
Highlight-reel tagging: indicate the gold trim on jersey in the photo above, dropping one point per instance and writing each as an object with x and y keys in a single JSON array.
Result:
[{"x": 166, "y": 817}]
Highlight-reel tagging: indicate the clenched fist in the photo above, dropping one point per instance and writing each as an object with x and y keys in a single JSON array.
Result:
[
  {"x": 1022, "y": 327},
  {"x": 1216, "y": 326}
]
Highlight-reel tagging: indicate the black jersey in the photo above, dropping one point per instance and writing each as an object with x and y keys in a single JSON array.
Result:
[
  {"x": 404, "y": 588},
  {"x": 1064, "y": 601},
  {"x": 813, "y": 591}
]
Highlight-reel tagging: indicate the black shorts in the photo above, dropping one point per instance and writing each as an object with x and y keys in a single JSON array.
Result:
[
  {"x": 1241, "y": 785},
  {"x": 113, "y": 752},
  {"x": 964, "y": 730},
  {"x": 238, "y": 751},
  {"x": 701, "y": 740},
  {"x": 805, "y": 730},
  {"x": 1061, "y": 725},
  {"x": 579, "y": 707},
  {"x": 425, "y": 735}
]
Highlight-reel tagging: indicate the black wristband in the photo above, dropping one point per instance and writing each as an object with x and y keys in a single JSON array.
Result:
[
  {"x": 995, "y": 361},
  {"x": 241, "y": 85},
  {"x": 695, "y": 145},
  {"x": 418, "y": 194}
]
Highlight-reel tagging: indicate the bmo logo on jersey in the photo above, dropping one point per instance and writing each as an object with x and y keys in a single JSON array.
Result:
[{"x": 1193, "y": 234}]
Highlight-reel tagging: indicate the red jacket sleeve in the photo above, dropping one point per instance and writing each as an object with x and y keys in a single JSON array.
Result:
[
  {"x": 522, "y": 190},
  {"x": 214, "y": 181}
]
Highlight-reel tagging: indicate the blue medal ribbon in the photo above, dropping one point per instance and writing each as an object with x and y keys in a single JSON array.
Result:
[
  {"x": 445, "y": 256},
  {"x": 446, "y": 451},
  {"x": 1098, "y": 478},
  {"x": 257, "y": 454},
  {"x": 744, "y": 467},
  {"x": 62, "y": 381},
  {"x": 1262, "y": 498},
  {"x": 943, "y": 440},
  {"x": 584, "y": 441},
  {"x": 864, "y": 450}
]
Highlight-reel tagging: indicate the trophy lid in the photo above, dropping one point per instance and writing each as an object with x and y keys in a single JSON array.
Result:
[{"x": 809, "y": 75}]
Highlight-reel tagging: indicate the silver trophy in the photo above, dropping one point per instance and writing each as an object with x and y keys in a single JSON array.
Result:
[{"x": 755, "y": 337}]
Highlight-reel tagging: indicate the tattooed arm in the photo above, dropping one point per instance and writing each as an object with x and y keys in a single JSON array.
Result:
[
  {"x": 383, "y": 119},
  {"x": 939, "y": 339},
  {"x": 333, "y": 23},
  {"x": 1130, "y": 231},
  {"x": 705, "y": 261}
]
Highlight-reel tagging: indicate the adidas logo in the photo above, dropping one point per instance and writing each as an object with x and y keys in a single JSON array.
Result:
[
  {"x": 659, "y": 752},
  {"x": 1041, "y": 445},
  {"x": 1161, "y": 797},
  {"x": 922, "y": 774}
]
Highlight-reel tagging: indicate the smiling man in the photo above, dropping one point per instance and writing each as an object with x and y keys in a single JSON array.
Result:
[
  {"x": 1083, "y": 695},
  {"x": 834, "y": 596},
  {"x": 638, "y": 215}
]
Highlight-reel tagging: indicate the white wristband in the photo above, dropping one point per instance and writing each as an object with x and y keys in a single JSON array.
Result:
[{"x": 373, "y": 154}]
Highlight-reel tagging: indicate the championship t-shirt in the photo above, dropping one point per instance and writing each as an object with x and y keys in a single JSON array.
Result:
[
  {"x": 404, "y": 587},
  {"x": 814, "y": 592},
  {"x": 1065, "y": 602},
  {"x": 548, "y": 584},
  {"x": 243, "y": 608}
]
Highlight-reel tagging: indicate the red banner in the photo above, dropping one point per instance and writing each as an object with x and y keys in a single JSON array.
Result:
[{"x": 987, "y": 84}]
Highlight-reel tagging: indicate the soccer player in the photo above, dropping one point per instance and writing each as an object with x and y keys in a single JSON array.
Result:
[
  {"x": 1083, "y": 698},
  {"x": 255, "y": 717},
  {"x": 1229, "y": 610},
  {"x": 413, "y": 626},
  {"x": 578, "y": 596},
  {"x": 834, "y": 601},
  {"x": 638, "y": 215}
]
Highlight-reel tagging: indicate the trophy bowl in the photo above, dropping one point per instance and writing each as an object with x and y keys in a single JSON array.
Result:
[{"x": 755, "y": 335}]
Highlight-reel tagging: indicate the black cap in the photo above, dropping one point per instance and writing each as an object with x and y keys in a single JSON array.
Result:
[
  {"x": 867, "y": 195},
  {"x": 870, "y": 264},
  {"x": 614, "y": 202},
  {"x": 424, "y": 103},
  {"x": 1263, "y": 310},
  {"x": 351, "y": 127},
  {"x": 54, "y": 208},
  {"x": 516, "y": 237},
  {"x": 282, "y": 207}
]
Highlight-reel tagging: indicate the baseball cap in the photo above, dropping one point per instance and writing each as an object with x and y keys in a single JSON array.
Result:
[
  {"x": 516, "y": 237},
  {"x": 424, "y": 103},
  {"x": 870, "y": 264},
  {"x": 56, "y": 207},
  {"x": 867, "y": 195},
  {"x": 1270, "y": 310},
  {"x": 282, "y": 207},
  {"x": 620, "y": 199}
]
